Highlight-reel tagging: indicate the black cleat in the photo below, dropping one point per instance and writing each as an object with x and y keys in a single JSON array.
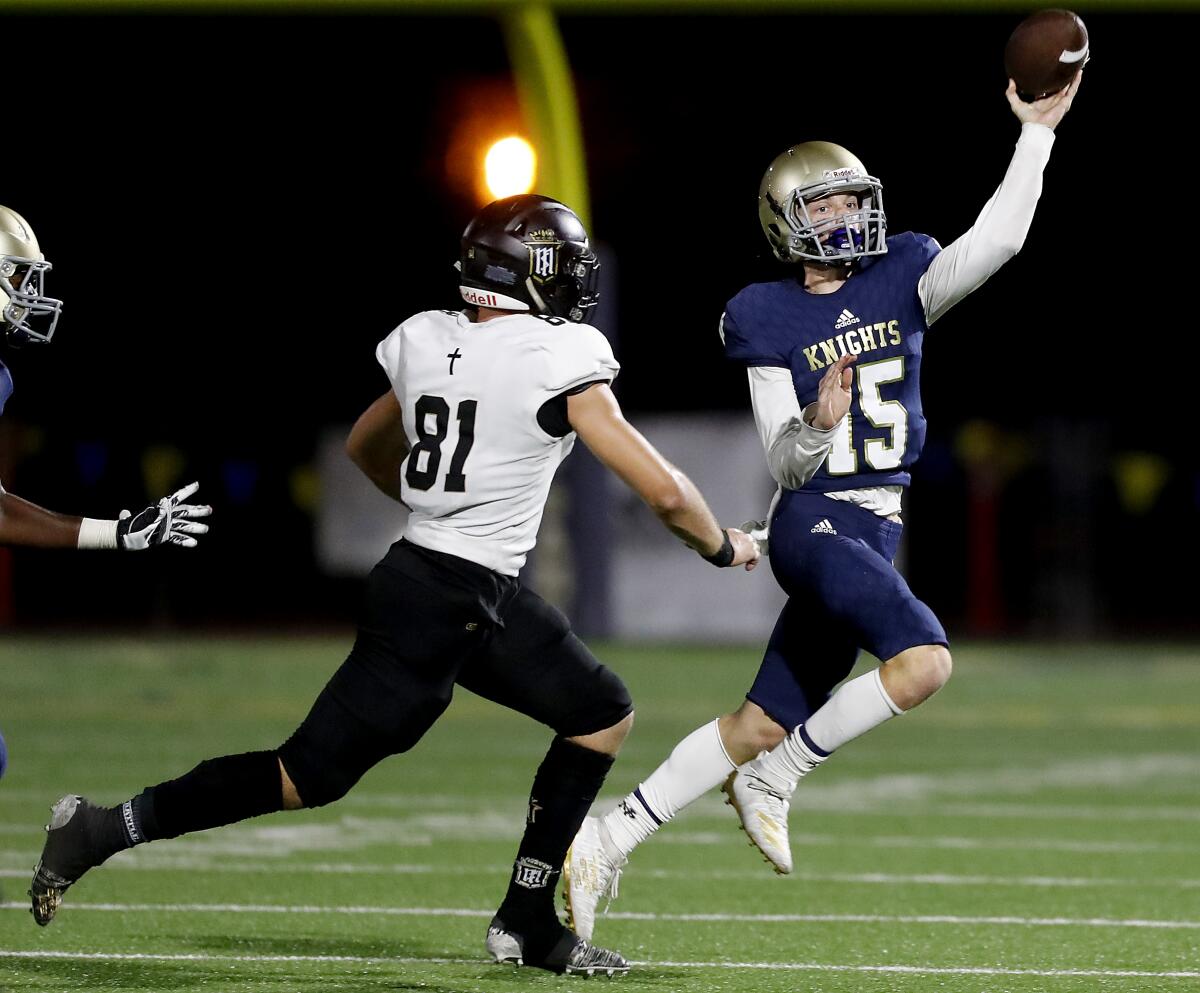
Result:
[
  {"x": 586, "y": 959},
  {"x": 69, "y": 852},
  {"x": 503, "y": 945},
  {"x": 570, "y": 954}
]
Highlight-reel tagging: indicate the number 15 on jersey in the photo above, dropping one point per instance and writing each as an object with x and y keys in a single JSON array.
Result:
[{"x": 889, "y": 417}]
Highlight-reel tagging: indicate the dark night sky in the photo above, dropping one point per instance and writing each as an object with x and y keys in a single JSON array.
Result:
[
  {"x": 254, "y": 202},
  {"x": 238, "y": 209}
]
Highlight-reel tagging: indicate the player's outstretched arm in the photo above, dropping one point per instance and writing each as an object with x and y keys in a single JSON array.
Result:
[
  {"x": 170, "y": 521},
  {"x": 377, "y": 444},
  {"x": 25, "y": 523},
  {"x": 596, "y": 417}
]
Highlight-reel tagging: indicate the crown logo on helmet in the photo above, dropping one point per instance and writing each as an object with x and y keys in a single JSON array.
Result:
[{"x": 543, "y": 245}]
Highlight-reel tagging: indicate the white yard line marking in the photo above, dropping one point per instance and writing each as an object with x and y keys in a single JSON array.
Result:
[
  {"x": 916, "y": 970},
  {"x": 276, "y": 908},
  {"x": 133, "y": 863},
  {"x": 1025, "y": 811},
  {"x": 953, "y": 842}
]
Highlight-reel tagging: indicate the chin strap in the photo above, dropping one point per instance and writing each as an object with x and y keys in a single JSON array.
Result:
[{"x": 537, "y": 297}]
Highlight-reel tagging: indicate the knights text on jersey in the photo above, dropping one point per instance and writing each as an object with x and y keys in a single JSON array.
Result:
[
  {"x": 876, "y": 315},
  {"x": 479, "y": 466}
]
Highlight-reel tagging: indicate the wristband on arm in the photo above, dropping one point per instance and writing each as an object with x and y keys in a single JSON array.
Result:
[
  {"x": 723, "y": 557},
  {"x": 97, "y": 534}
]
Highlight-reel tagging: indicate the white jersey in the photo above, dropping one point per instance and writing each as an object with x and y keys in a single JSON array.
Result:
[{"x": 479, "y": 466}]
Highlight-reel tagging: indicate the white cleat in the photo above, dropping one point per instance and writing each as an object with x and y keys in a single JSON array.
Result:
[
  {"x": 763, "y": 810},
  {"x": 589, "y": 875}
]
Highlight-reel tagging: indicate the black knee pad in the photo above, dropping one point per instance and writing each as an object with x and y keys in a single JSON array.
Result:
[
  {"x": 609, "y": 704},
  {"x": 319, "y": 780},
  {"x": 329, "y": 753}
]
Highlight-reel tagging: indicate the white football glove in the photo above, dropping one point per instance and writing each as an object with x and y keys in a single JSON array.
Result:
[
  {"x": 168, "y": 522},
  {"x": 758, "y": 531}
]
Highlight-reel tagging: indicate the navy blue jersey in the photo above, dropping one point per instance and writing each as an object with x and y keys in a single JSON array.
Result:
[
  {"x": 876, "y": 315},
  {"x": 6, "y": 385}
]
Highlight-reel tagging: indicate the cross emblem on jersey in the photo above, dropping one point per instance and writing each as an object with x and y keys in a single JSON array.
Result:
[{"x": 456, "y": 354}]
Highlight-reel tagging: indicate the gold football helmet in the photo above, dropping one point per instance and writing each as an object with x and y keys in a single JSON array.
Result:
[
  {"x": 26, "y": 313},
  {"x": 806, "y": 173}
]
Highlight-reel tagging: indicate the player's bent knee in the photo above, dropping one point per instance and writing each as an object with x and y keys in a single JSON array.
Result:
[
  {"x": 609, "y": 740},
  {"x": 316, "y": 778},
  {"x": 916, "y": 674},
  {"x": 929, "y": 669},
  {"x": 319, "y": 787},
  {"x": 624, "y": 726},
  {"x": 939, "y": 666}
]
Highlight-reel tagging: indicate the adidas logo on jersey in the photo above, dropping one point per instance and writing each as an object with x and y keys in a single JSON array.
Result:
[
  {"x": 845, "y": 319},
  {"x": 823, "y": 527}
]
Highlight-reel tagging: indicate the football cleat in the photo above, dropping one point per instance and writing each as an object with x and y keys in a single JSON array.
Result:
[
  {"x": 586, "y": 959},
  {"x": 69, "y": 852},
  {"x": 570, "y": 955},
  {"x": 763, "y": 810},
  {"x": 589, "y": 874},
  {"x": 503, "y": 945}
]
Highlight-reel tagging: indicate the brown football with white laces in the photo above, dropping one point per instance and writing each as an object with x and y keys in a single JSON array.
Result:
[{"x": 1045, "y": 51}]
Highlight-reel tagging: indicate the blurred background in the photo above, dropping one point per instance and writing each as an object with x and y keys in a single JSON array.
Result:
[{"x": 238, "y": 208}]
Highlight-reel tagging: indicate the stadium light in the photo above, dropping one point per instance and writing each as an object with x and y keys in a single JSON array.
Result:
[{"x": 510, "y": 167}]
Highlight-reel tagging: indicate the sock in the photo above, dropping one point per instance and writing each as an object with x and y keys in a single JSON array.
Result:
[
  {"x": 218, "y": 791},
  {"x": 106, "y": 834},
  {"x": 695, "y": 766},
  {"x": 854, "y": 709},
  {"x": 566, "y": 783},
  {"x": 130, "y": 815}
]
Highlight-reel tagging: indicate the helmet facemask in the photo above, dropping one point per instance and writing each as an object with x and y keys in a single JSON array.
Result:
[
  {"x": 571, "y": 292},
  {"x": 843, "y": 239},
  {"x": 29, "y": 315}
]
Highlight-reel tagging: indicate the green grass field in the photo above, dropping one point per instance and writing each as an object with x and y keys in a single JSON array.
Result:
[{"x": 1035, "y": 827}]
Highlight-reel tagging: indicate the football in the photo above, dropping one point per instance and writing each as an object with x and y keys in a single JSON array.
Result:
[{"x": 1044, "y": 53}]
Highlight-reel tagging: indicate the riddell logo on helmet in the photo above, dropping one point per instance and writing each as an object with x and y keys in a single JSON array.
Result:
[
  {"x": 478, "y": 297},
  {"x": 849, "y": 172}
]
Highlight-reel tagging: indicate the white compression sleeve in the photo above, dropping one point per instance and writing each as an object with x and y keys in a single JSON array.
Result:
[
  {"x": 854, "y": 709},
  {"x": 695, "y": 766},
  {"x": 794, "y": 448}
]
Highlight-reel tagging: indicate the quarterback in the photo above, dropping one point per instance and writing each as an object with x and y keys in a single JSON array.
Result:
[
  {"x": 833, "y": 356},
  {"x": 483, "y": 405}
]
